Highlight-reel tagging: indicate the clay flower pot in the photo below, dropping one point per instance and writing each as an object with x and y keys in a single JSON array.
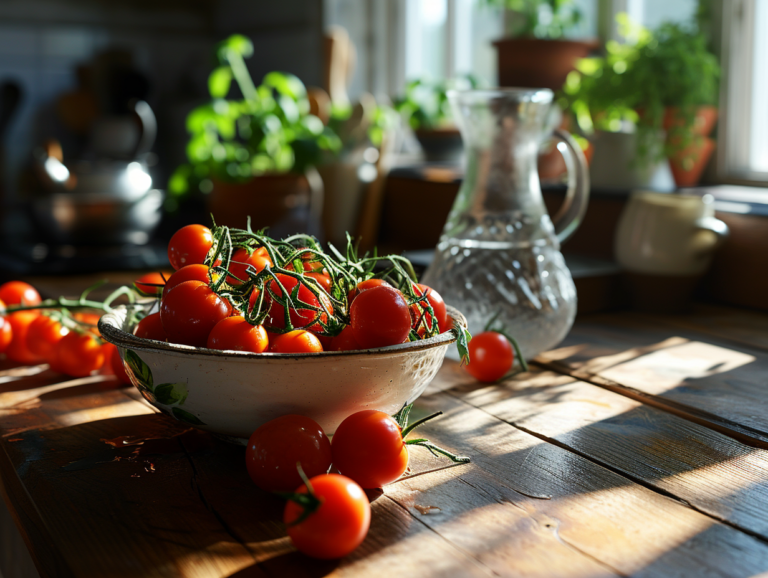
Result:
[
  {"x": 536, "y": 63},
  {"x": 688, "y": 164}
]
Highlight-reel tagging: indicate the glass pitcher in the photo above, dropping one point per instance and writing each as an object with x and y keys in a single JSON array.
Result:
[{"x": 499, "y": 252}]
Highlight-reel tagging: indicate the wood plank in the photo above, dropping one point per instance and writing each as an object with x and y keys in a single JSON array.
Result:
[
  {"x": 523, "y": 500},
  {"x": 712, "y": 472},
  {"x": 702, "y": 378}
]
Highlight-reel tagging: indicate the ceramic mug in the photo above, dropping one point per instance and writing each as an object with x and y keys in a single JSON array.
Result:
[{"x": 668, "y": 234}]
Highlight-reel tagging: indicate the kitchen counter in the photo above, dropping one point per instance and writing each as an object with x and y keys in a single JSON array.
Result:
[{"x": 638, "y": 447}]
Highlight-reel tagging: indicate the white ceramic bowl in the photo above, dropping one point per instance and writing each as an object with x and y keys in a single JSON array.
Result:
[{"x": 231, "y": 393}]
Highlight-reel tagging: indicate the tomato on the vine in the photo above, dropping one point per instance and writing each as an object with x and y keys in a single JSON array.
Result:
[
  {"x": 189, "y": 245},
  {"x": 190, "y": 311},
  {"x": 344, "y": 341},
  {"x": 339, "y": 523},
  {"x": 364, "y": 286},
  {"x": 6, "y": 332},
  {"x": 379, "y": 317},
  {"x": 237, "y": 334},
  {"x": 301, "y": 317},
  {"x": 151, "y": 327},
  {"x": 436, "y": 302},
  {"x": 18, "y": 292},
  {"x": 43, "y": 335},
  {"x": 490, "y": 356},
  {"x": 18, "y": 350},
  {"x": 368, "y": 447},
  {"x": 275, "y": 447},
  {"x": 323, "y": 279},
  {"x": 151, "y": 283},
  {"x": 194, "y": 272},
  {"x": 240, "y": 261},
  {"x": 296, "y": 341},
  {"x": 78, "y": 354}
]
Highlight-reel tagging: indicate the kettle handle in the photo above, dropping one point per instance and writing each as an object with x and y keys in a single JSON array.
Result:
[{"x": 571, "y": 213}]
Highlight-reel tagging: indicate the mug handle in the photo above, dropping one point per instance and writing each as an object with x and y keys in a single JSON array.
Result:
[
  {"x": 571, "y": 213},
  {"x": 716, "y": 226}
]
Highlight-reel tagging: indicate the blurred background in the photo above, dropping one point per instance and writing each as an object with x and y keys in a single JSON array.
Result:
[{"x": 122, "y": 121}]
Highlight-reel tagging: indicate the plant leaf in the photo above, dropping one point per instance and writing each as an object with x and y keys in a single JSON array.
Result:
[
  {"x": 219, "y": 81},
  {"x": 463, "y": 337},
  {"x": 185, "y": 416}
]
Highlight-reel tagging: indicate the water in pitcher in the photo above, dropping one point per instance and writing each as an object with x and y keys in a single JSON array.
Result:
[{"x": 499, "y": 254}]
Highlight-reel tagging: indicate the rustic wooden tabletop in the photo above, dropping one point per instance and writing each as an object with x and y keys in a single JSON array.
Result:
[{"x": 638, "y": 447}]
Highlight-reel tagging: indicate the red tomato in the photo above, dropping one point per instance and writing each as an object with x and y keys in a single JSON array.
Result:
[
  {"x": 344, "y": 341},
  {"x": 275, "y": 447},
  {"x": 151, "y": 327},
  {"x": 296, "y": 341},
  {"x": 189, "y": 245},
  {"x": 364, "y": 286},
  {"x": 368, "y": 447},
  {"x": 78, "y": 354},
  {"x": 43, "y": 334},
  {"x": 90, "y": 319},
  {"x": 301, "y": 318},
  {"x": 194, "y": 272},
  {"x": 17, "y": 350},
  {"x": 118, "y": 368},
  {"x": 490, "y": 356},
  {"x": 380, "y": 317},
  {"x": 16, "y": 292},
  {"x": 340, "y": 523},
  {"x": 438, "y": 305},
  {"x": 237, "y": 334},
  {"x": 240, "y": 261},
  {"x": 323, "y": 279},
  {"x": 190, "y": 311},
  {"x": 151, "y": 283},
  {"x": 6, "y": 333}
]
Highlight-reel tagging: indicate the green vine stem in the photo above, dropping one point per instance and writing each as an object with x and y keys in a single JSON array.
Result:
[{"x": 401, "y": 417}]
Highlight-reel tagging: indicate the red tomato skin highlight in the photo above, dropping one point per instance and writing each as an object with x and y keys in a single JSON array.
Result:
[
  {"x": 151, "y": 327},
  {"x": 490, "y": 356},
  {"x": 189, "y": 245},
  {"x": 17, "y": 350},
  {"x": 13, "y": 292},
  {"x": 368, "y": 447},
  {"x": 6, "y": 334},
  {"x": 190, "y": 311},
  {"x": 235, "y": 333},
  {"x": 380, "y": 317},
  {"x": 364, "y": 286},
  {"x": 275, "y": 447},
  {"x": 338, "y": 526}
]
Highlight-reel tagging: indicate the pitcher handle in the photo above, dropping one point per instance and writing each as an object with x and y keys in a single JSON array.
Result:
[{"x": 571, "y": 213}]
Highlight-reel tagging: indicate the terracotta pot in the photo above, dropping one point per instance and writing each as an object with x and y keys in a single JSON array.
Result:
[
  {"x": 688, "y": 164},
  {"x": 279, "y": 201},
  {"x": 704, "y": 121},
  {"x": 535, "y": 63}
]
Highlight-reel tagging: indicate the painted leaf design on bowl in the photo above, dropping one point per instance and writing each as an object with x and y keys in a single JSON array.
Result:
[
  {"x": 183, "y": 415},
  {"x": 140, "y": 374},
  {"x": 171, "y": 393}
]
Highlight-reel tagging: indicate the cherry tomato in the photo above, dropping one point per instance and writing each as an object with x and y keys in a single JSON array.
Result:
[
  {"x": 16, "y": 292},
  {"x": 78, "y": 354},
  {"x": 91, "y": 320},
  {"x": 194, "y": 272},
  {"x": 364, "y": 286},
  {"x": 301, "y": 317},
  {"x": 190, "y": 311},
  {"x": 379, "y": 317},
  {"x": 368, "y": 447},
  {"x": 118, "y": 368},
  {"x": 340, "y": 523},
  {"x": 323, "y": 279},
  {"x": 237, "y": 334},
  {"x": 151, "y": 283},
  {"x": 238, "y": 265},
  {"x": 6, "y": 333},
  {"x": 296, "y": 341},
  {"x": 17, "y": 350},
  {"x": 151, "y": 327},
  {"x": 490, "y": 356},
  {"x": 189, "y": 245},
  {"x": 344, "y": 341},
  {"x": 275, "y": 447},
  {"x": 43, "y": 334},
  {"x": 438, "y": 305}
]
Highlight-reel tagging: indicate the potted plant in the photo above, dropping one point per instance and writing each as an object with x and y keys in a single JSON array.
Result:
[
  {"x": 425, "y": 108},
  {"x": 254, "y": 155},
  {"x": 534, "y": 53},
  {"x": 665, "y": 85}
]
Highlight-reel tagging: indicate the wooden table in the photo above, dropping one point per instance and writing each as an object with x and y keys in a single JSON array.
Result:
[{"x": 638, "y": 447}]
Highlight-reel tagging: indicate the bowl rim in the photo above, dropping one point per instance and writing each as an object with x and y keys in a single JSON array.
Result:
[{"x": 110, "y": 326}]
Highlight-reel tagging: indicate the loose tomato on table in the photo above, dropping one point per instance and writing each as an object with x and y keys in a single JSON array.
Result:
[
  {"x": 43, "y": 335},
  {"x": 339, "y": 519},
  {"x": 189, "y": 245},
  {"x": 194, "y": 272},
  {"x": 275, "y": 447},
  {"x": 491, "y": 356},
  {"x": 296, "y": 341},
  {"x": 18, "y": 350},
  {"x": 190, "y": 310},
  {"x": 18, "y": 292},
  {"x": 151, "y": 327},
  {"x": 237, "y": 334},
  {"x": 78, "y": 354},
  {"x": 379, "y": 317}
]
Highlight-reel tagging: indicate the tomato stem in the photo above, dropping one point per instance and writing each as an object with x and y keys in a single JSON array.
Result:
[
  {"x": 437, "y": 451},
  {"x": 309, "y": 502},
  {"x": 416, "y": 424}
]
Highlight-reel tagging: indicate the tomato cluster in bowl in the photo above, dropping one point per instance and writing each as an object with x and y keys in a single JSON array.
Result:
[{"x": 235, "y": 289}]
